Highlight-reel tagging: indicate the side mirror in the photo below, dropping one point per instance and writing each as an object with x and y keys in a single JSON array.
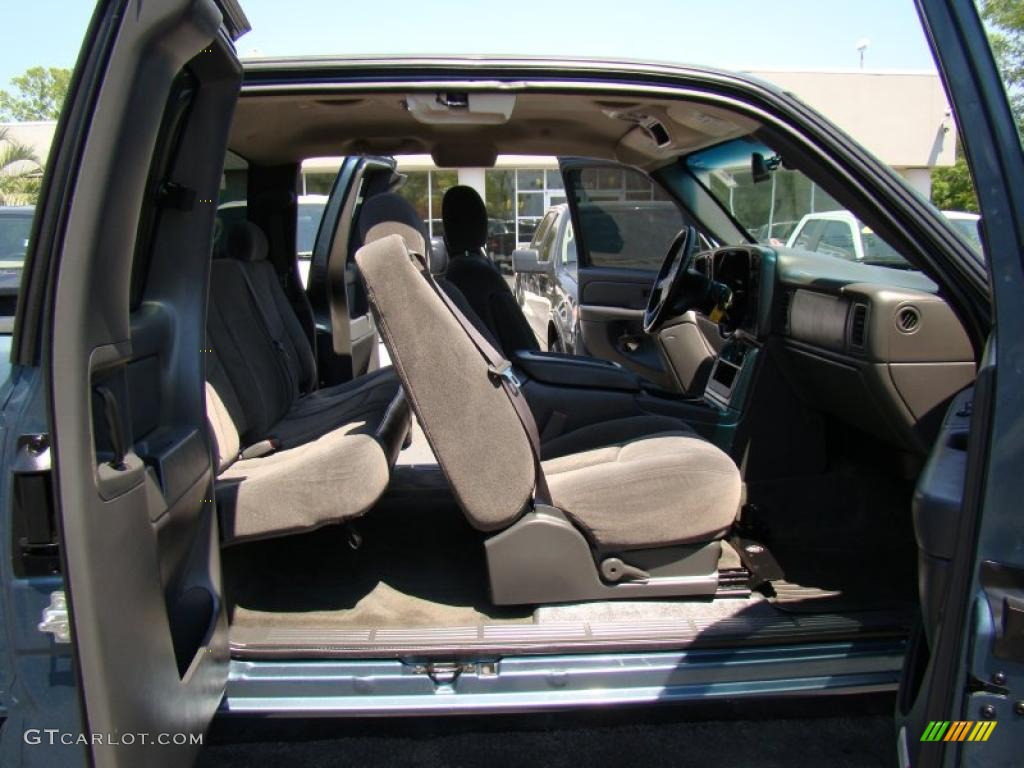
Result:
[{"x": 527, "y": 261}]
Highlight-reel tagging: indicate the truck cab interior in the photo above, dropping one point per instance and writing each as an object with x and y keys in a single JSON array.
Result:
[{"x": 403, "y": 468}]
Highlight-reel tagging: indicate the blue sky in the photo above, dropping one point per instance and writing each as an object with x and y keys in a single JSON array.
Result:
[{"x": 734, "y": 34}]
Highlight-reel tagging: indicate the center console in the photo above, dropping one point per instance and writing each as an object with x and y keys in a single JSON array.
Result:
[
  {"x": 728, "y": 381},
  {"x": 568, "y": 392},
  {"x": 574, "y": 371}
]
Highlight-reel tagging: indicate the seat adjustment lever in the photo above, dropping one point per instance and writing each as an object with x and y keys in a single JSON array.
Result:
[{"x": 614, "y": 570}]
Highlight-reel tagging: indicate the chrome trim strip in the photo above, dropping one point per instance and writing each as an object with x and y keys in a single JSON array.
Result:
[{"x": 527, "y": 684}]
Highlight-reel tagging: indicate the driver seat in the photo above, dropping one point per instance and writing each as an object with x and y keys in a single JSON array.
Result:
[
  {"x": 479, "y": 280},
  {"x": 639, "y": 518}
]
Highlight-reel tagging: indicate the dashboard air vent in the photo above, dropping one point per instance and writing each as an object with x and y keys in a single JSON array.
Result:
[
  {"x": 908, "y": 319},
  {"x": 858, "y": 325}
]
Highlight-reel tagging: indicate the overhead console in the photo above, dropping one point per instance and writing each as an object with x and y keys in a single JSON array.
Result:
[{"x": 880, "y": 357}]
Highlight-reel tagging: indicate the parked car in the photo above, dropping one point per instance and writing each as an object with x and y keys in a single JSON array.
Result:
[
  {"x": 15, "y": 226},
  {"x": 545, "y": 284},
  {"x": 843, "y": 235},
  {"x": 501, "y": 241},
  {"x": 967, "y": 224},
  {"x": 836, "y": 512},
  {"x": 776, "y": 234}
]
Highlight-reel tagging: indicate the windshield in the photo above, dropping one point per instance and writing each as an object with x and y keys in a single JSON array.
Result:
[{"x": 777, "y": 205}]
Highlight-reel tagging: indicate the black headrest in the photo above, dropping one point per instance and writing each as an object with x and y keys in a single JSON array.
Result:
[
  {"x": 465, "y": 220},
  {"x": 246, "y": 242},
  {"x": 388, "y": 214}
]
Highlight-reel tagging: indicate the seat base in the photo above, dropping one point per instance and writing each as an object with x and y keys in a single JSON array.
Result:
[{"x": 543, "y": 558}]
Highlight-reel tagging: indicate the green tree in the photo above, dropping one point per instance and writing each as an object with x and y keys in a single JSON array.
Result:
[
  {"x": 952, "y": 187},
  {"x": 1005, "y": 21},
  {"x": 38, "y": 94},
  {"x": 21, "y": 172}
]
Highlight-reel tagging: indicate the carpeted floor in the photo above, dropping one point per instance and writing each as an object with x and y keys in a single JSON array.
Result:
[
  {"x": 416, "y": 567},
  {"x": 844, "y": 540}
]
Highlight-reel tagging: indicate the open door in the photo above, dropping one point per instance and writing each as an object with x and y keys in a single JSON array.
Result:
[
  {"x": 960, "y": 699},
  {"x": 346, "y": 334},
  {"x": 624, "y": 223},
  {"x": 108, "y": 426}
]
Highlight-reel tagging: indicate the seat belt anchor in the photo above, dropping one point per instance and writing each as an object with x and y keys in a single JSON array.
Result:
[{"x": 503, "y": 373}]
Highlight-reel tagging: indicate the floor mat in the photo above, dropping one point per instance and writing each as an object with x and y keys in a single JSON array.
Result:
[
  {"x": 844, "y": 541},
  {"x": 416, "y": 567}
]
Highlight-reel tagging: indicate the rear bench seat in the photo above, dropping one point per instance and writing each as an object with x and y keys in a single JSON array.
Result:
[{"x": 290, "y": 457}]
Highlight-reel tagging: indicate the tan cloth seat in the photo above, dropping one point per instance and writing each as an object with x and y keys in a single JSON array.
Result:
[
  {"x": 643, "y": 493},
  {"x": 649, "y": 492},
  {"x": 291, "y": 457}
]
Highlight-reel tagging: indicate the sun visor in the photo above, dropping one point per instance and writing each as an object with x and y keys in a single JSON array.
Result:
[{"x": 464, "y": 154}]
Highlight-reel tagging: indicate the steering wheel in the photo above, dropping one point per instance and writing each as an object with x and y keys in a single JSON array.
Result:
[{"x": 678, "y": 287}]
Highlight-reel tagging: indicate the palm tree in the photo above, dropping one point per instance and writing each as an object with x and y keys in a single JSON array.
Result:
[{"x": 21, "y": 173}]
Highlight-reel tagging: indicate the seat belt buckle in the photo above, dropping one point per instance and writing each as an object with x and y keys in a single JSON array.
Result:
[{"x": 503, "y": 374}]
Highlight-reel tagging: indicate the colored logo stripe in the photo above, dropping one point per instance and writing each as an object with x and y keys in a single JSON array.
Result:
[
  {"x": 959, "y": 730},
  {"x": 982, "y": 731}
]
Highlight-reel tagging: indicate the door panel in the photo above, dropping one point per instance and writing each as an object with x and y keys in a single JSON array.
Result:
[
  {"x": 347, "y": 338},
  {"x": 957, "y": 668},
  {"x": 624, "y": 224},
  {"x": 122, "y": 339}
]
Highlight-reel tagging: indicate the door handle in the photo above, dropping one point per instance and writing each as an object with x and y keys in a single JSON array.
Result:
[
  {"x": 125, "y": 469},
  {"x": 115, "y": 427}
]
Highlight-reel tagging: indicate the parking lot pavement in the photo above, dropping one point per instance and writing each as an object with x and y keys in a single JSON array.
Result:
[{"x": 864, "y": 737}]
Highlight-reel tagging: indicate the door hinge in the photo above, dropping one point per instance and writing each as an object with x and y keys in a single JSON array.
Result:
[
  {"x": 55, "y": 618},
  {"x": 34, "y": 521}
]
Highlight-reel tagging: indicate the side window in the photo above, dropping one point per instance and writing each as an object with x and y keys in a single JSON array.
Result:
[
  {"x": 541, "y": 233},
  {"x": 231, "y": 203},
  {"x": 569, "y": 246},
  {"x": 837, "y": 240},
  {"x": 547, "y": 244},
  {"x": 628, "y": 221}
]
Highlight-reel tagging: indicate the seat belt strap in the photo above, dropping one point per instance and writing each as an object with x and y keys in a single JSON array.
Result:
[
  {"x": 500, "y": 370},
  {"x": 278, "y": 345}
]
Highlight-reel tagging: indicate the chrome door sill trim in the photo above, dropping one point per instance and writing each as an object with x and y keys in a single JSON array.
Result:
[{"x": 389, "y": 687}]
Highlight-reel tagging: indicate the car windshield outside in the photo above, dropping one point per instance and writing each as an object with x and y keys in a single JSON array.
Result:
[
  {"x": 777, "y": 205},
  {"x": 308, "y": 223},
  {"x": 15, "y": 226},
  {"x": 968, "y": 225}
]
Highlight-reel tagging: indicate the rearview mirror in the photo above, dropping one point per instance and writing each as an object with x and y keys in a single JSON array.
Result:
[
  {"x": 759, "y": 168},
  {"x": 527, "y": 261}
]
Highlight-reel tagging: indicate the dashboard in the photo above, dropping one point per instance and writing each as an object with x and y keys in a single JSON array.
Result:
[{"x": 875, "y": 347}]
